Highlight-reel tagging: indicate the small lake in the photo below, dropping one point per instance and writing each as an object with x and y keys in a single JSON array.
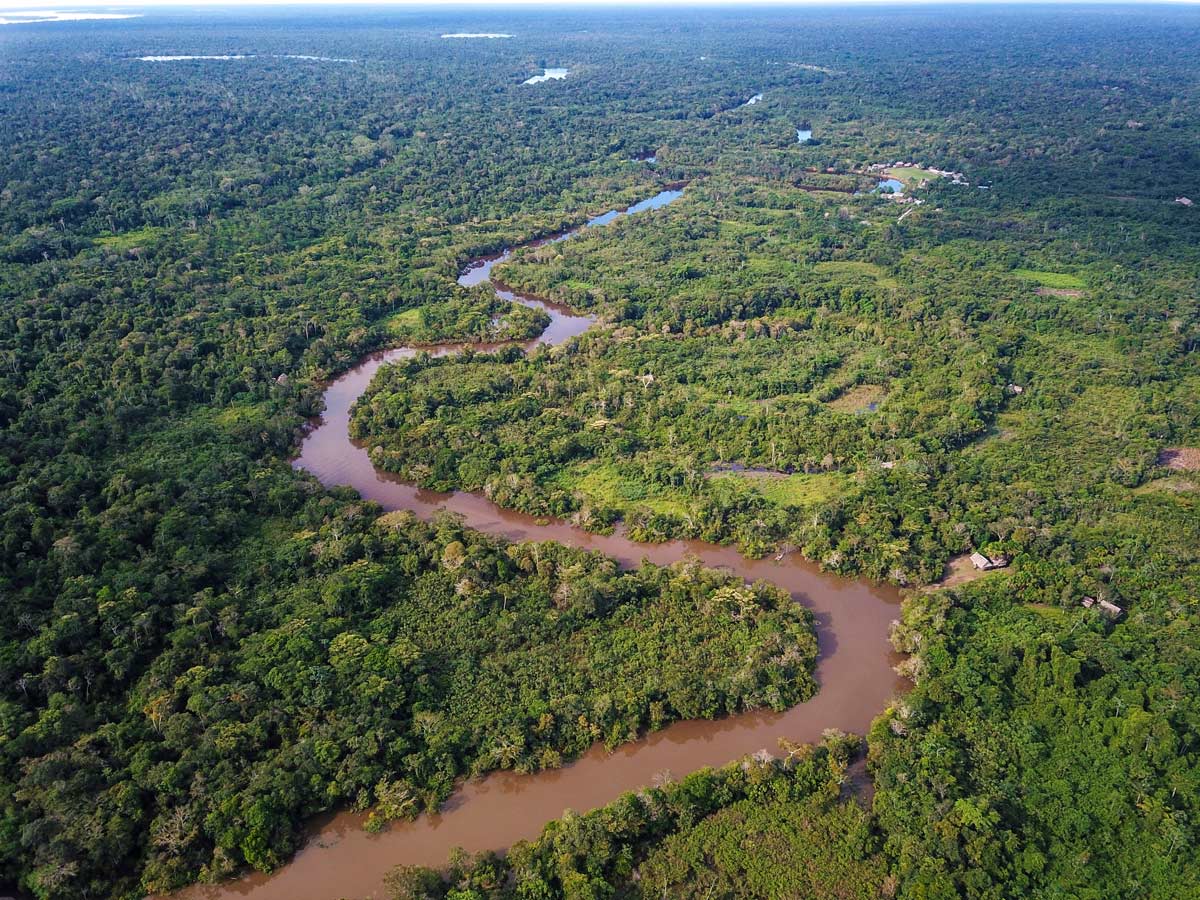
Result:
[
  {"x": 803, "y": 135},
  {"x": 892, "y": 186},
  {"x": 548, "y": 75}
]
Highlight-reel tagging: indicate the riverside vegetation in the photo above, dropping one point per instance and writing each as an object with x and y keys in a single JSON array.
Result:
[{"x": 202, "y": 646}]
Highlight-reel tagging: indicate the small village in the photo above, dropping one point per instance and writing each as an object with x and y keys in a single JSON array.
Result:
[
  {"x": 983, "y": 562},
  {"x": 955, "y": 177},
  {"x": 896, "y": 172}
]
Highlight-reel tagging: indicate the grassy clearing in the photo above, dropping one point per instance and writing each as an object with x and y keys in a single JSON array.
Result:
[
  {"x": 1062, "y": 281},
  {"x": 960, "y": 570},
  {"x": 855, "y": 268},
  {"x": 859, "y": 398},
  {"x": 849, "y": 267},
  {"x": 772, "y": 265},
  {"x": 787, "y": 490},
  {"x": 403, "y": 322},
  {"x": 1172, "y": 484},
  {"x": 801, "y": 489},
  {"x": 127, "y": 240},
  {"x": 578, "y": 286},
  {"x": 604, "y": 484},
  {"x": 1009, "y": 425},
  {"x": 911, "y": 176}
]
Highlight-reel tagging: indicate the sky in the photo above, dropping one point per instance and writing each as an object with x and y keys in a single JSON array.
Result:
[{"x": 109, "y": 6}]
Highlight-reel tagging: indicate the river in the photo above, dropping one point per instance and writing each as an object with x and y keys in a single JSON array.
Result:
[{"x": 854, "y": 668}]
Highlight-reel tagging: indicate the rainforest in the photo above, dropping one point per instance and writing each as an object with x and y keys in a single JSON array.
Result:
[{"x": 600, "y": 453}]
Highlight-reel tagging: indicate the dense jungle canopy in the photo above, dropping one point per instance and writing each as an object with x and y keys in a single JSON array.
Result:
[{"x": 202, "y": 647}]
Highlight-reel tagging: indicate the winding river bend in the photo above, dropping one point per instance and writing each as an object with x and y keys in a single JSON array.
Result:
[{"x": 854, "y": 668}]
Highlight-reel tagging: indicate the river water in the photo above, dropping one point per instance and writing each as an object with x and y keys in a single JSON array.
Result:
[{"x": 854, "y": 669}]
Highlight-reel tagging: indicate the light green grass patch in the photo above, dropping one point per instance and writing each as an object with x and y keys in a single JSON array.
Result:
[
  {"x": 911, "y": 176},
  {"x": 858, "y": 399},
  {"x": 787, "y": 490},
  {"x": 1171, "y": 484},
  {"x": 127, "y": 240},
  {"x": 1007, "y": 427},
  {"x": 770, "y": 265},
  {"x": 855, "y": 268},
  {"x": 404, "y": 321},
  {"x": 1059, "y": 280},
  {"x": 603, "y": 483},
  {"x": 801, "y": 489}
]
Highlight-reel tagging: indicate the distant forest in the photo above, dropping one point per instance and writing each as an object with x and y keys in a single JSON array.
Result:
[{"x": 202, "y": 647}]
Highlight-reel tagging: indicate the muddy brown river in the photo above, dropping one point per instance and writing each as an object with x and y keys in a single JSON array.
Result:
[{"x": 854, "y": 669}]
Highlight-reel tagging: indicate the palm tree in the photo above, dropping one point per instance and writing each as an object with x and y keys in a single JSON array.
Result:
[{"x": 506, "y": 753}]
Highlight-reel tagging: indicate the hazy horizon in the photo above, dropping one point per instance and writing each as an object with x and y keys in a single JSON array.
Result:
[{"x": 11, "y": 6}]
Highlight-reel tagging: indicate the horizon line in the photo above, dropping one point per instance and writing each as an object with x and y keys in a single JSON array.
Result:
[{"x": 15, "y": 6}]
